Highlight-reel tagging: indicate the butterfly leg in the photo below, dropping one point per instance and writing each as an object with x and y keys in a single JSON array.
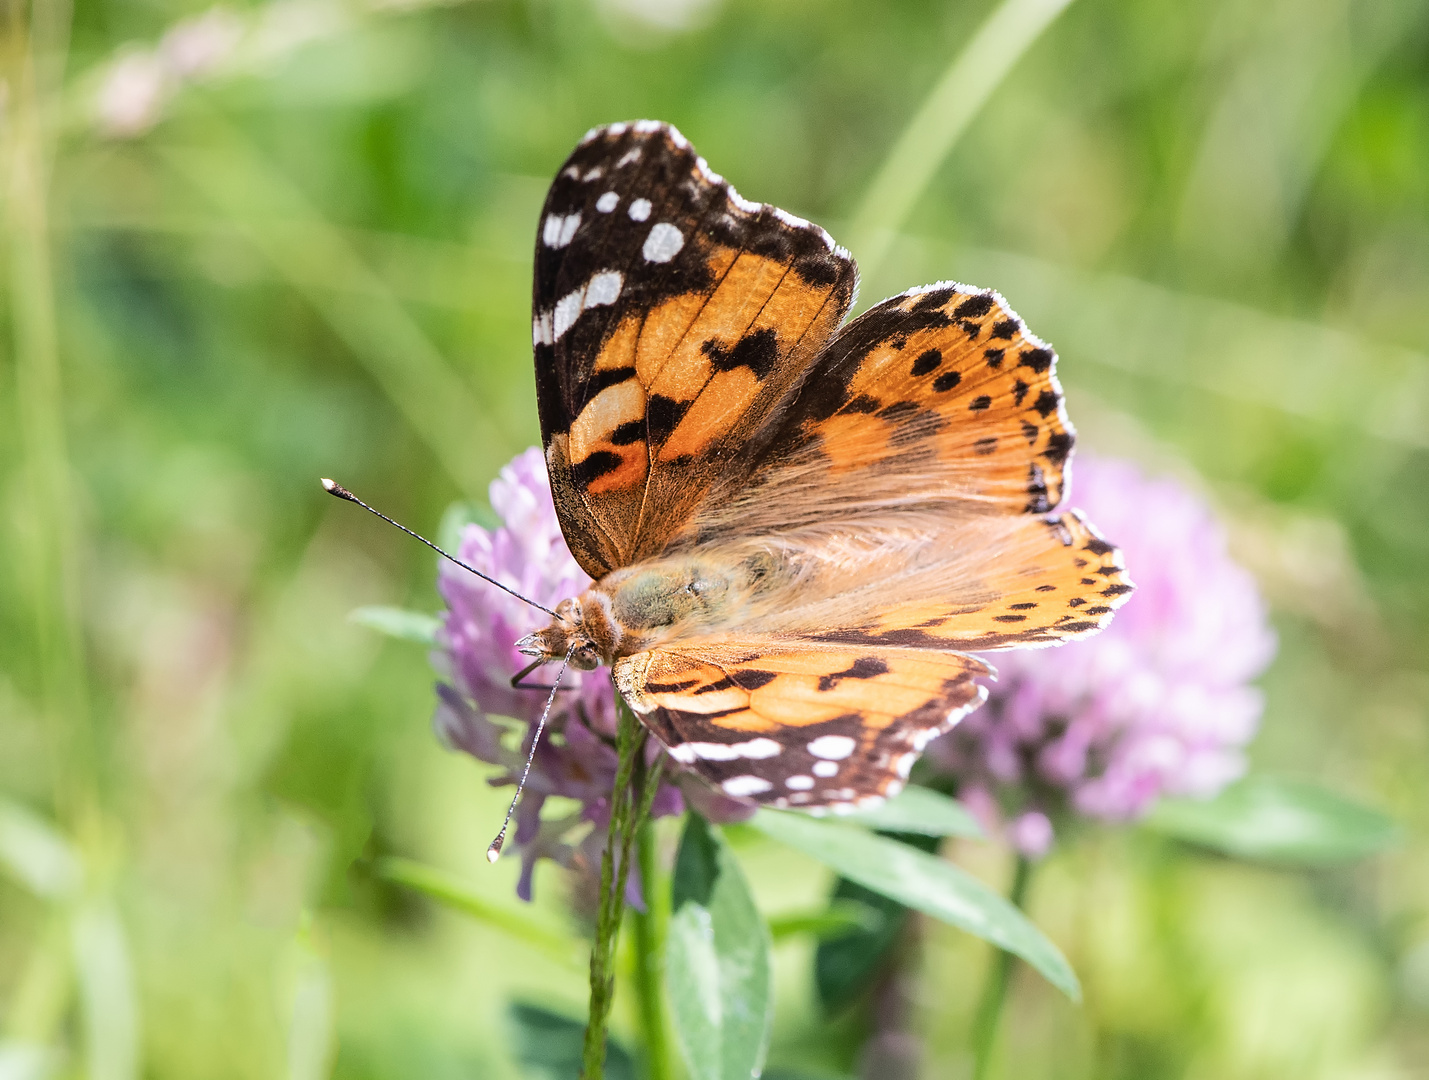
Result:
[{"x": 516, "y": 680}]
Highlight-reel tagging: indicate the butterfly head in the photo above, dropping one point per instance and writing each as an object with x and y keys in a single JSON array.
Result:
[{"x": 581, "y": 627}]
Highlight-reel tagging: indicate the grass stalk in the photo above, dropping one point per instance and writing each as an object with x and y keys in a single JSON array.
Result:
[
  {"x": 966, "y": 84},
  {"x": 52, "y": 563}
]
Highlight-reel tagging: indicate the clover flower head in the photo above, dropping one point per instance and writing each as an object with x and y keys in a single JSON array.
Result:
[
  {"x": 1159, "y": 703},
  {"x": 477, "y": 655}
]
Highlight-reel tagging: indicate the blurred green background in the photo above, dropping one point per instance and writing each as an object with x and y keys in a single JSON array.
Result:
[{"x": 293, "y": 239}]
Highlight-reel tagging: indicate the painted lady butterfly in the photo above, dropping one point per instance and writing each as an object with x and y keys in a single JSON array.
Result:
[{"x": 798, "y": 529}]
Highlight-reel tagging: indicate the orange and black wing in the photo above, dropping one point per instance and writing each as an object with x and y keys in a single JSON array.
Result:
[
  {"x": 803, "y": 725},
  {"x": 911, "y": 484},
  {"x": 939, "y": 400},
  {"x": 670, "y": 317}
]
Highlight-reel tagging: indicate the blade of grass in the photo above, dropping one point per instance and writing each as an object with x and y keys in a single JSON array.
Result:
[
  {"x": 109, "y": 1010},
  {"x": 283, "y": 226},
  {"x": 975, "y": 72},
  {"x": 52, "y": 560}
]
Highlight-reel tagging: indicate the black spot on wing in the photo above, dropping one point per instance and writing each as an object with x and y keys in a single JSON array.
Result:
[
  {"x": 632, "y": 431},
  {"x": 927, "y": 361},
  {"x": 753, "y": 678},
  {"x": 865, "y": 667},
  {"x": 1039, "y": 360},
  {"x": 600, "y": 380},
  {"x": 1059, "y": 445},
  {"x": 662, "y": 416},
  {"x": 974, "y": 307},
  {"x": 758, "y": 351},
  {"x": 597, "y": 465}
]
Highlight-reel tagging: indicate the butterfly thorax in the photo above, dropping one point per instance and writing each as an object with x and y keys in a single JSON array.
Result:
[{"x": 656, "y": 601}]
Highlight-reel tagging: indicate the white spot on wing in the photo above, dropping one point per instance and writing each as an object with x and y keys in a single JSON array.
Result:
[
  {"x": 607, "y": 202},
  {"x": 825, "y": 769},
  {"x": 541, "y": 333},
  {"x": 568, "y": 309},
  {"x": 645, "y": 127},
  {"x": 628, "y": 158},
  {"x": 640, "y": 210},
  {"x": 604, "y": 288},
  {"x": 799, "y": 783},
  {"x": 755, "y": 749},
  {"x": 663, "y": 243},
  {"x": 559, "y": 228},
  {"x": 684, "y": 753},
  {"x": 595, "y": 174},
  {"x": 740, "y": 786},
  {"x": 832, "y": 747}
]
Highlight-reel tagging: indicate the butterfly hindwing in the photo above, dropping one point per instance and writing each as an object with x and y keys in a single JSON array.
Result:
[
  {"x": 799, "y": 725},
  {"x": 669, "y": 316}
]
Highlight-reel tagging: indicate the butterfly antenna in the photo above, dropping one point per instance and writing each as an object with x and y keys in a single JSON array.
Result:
[
  {"x": 332, "y": 487},
  {"x": 494, "y": 851}
]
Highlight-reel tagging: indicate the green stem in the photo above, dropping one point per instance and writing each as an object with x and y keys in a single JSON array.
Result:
[
  {"x": 650, "y": 955},
  {"x": 627, "y": 801},
  {"x": 994, "y": 991}
]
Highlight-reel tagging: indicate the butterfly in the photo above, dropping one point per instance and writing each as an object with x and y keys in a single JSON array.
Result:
[{"x": 799, "y": 528}]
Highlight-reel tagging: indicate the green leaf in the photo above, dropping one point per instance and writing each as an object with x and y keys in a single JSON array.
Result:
[
  {"x": 845, "y": 966},
  {"x": 548, "y": 1045},
  {"x": 450, "y": 890},
  {"x": 1278, "y": 820},
  {"x": 398, "y": 623},
  {"x": 921, "y": 810},
  {"x": 717, "y": 961},
  {"x": 924, "y": 882},
  {"x": 840, "y": 919}
]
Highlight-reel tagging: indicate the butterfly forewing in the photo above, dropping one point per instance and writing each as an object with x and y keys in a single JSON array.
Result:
[{"x": 669, "y": 316}]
